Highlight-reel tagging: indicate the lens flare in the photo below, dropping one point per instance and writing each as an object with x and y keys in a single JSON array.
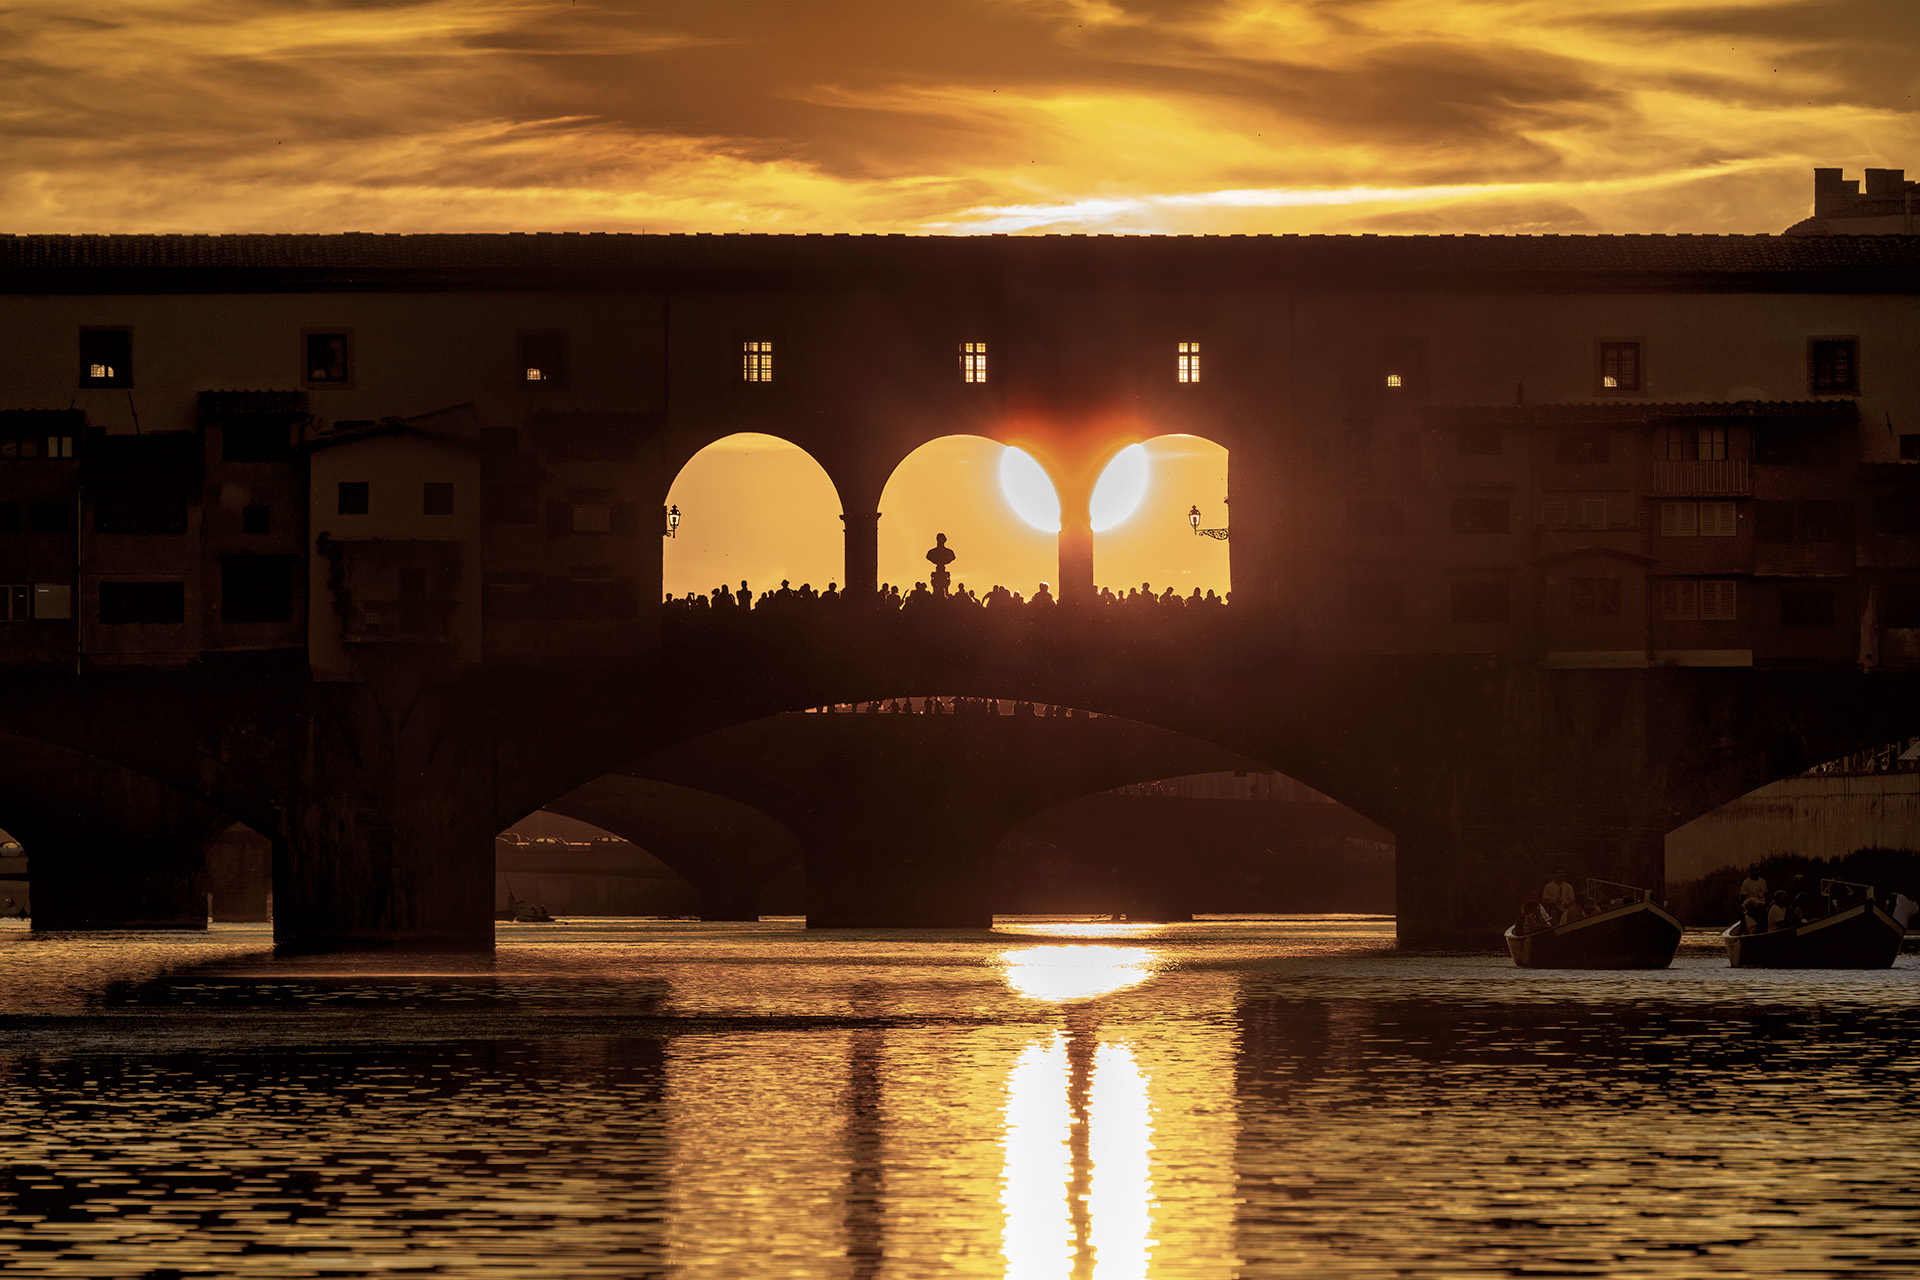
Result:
[
  {"x": 1029, "y": 491},
  {"x": 1120, "y": 489}
]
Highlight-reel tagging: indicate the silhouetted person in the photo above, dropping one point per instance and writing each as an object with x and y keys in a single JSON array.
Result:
[
  {"x": 1043, "y": 598},
  {"x": 1558, "y": 895},
  {"x": 1753, "y": 888},
  {"x": 1777, "y": 913}
]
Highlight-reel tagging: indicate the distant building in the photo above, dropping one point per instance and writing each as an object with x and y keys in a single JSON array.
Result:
[{"x": 1841, "y": 208}]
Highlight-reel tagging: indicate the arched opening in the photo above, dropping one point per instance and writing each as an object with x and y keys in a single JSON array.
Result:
[
  {"x": 558, "y": 862},
  {"x": 752, "y": 508},
  {"x": 991, "y": 503},
  {"x": 1142, "y": 517},
  {"x": 1855, "y": 818}
]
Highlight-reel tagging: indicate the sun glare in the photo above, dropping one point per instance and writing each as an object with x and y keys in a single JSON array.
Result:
[
  {"x": 1029, "y": 491},
  {"x": 1118, "y": 492},
  {"x": 1075, "y": 973}
]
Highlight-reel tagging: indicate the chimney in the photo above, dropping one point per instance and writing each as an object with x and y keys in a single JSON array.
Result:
[
  {"x": 1828, "y": 191},
  {"x": 1885, "y": 182}
]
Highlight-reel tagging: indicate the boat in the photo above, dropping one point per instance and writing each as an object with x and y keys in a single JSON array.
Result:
[
  {"x": 1636, "y": 933},
  {"x": 523, "y": 910},
  {"x": 1865, "y": 935}
]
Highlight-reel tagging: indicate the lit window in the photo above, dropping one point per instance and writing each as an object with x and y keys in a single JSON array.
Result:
[
  {"x": 1619, "y": 366},
  {"x": 106, "y": 357},
  {"x": 1395, "y": 380},
  {"x": 973, "y": 362},
  {"x": 757, "y": 362},
  {"x": 543, "y": 359},
  {"x": 1189, "y": 362},
  {"x": 327, "y": 361}
]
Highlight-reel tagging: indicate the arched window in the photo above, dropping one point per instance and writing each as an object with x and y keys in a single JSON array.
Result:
[
  {"x": 993, "y": 509},
  {"x": 1142, "y": 517},
  {"x": 754, "y": 508}
]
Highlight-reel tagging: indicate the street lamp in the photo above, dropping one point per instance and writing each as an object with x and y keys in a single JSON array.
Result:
[
  {"x": 1193, "y": 518},
  {"x": 673, "y": 521}
]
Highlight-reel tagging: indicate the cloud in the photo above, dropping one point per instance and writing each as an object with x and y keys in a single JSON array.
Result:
[{"x": 606, "y": 115}]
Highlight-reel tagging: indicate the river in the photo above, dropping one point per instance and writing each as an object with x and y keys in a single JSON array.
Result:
[{"x": 1053, "y": 1099}]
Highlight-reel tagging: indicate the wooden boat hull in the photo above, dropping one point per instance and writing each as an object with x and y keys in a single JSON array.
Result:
[
  {"x": 1862, "y": 937},
  {"x": 1639, "y": 935}
]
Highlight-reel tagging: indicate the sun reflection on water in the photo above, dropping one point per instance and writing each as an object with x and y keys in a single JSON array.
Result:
[
  {"x": 1036, "y": 1233},
  {"x": 1119, "y": 1139},
  {"x": 1075, "y": 973}
]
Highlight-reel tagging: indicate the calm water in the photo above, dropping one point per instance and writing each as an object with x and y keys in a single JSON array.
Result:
[{"x": 1252, "y": 1098}]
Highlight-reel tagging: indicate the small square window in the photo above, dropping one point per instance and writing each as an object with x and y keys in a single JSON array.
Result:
[
  {"x": 1188, "y": 368},
  {"x": 1717, "y": 601},
  {"x": 328, "y": 359},
  {"x": 1680, "y": 519},
  {"x": 106, "y": 357},
  {"x": 1718, "y": 520},
  {"x": 543, "y": 360},
  {"x": 1910, "y": 448},
  {"x": 16, "y": 602},
  {"x": 1404, "y": 366},
  {"x": 437, "y": 498},
  {"x": 1593, "y": 513},
  {"x": 256, "y": 519},
  {"x": 9, "y": 517},
  {"x": 1833, "y": 366},
  {"x": 973, "y": 362},
  {"x": 354, "y": 497},
  {"x": 1619, "y": 367},
  {"x": 756, "y": 362}
]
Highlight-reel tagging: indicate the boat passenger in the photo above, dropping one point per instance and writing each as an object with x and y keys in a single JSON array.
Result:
[
  {"x": 1753, "y": 917},
  {"x": 1800, "y": 912},
  {"x": 1754, "y": 887},
  {"x": 1558, "y": 895},
  {"x": 1777, "y": 913}
]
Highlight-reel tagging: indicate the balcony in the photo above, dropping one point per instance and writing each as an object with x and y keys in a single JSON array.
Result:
[
  {"x": 408, "y": 620},
  {"x": 1705, "y": 478}
]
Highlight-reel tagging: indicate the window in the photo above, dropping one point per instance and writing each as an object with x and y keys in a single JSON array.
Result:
[
  {"x": 592, "y": 517},
  {"x": 1375, "y": 602},
  {"x": 1679, "y": 519},
  {"x": 1698, "y": 519},
  {"x": 1826, "y": 521},
  {"x": 256, "y": 519},
  {"x": 256, "y": 589},
  {"x": 437, "y": 498},
  {"x": 1910, "y": 448},
  {"x": 354, "y": 497},
  {"x": 1477, "y": 440},
  {"x": 1806, "y": 607},
  {"x": 543, "y": 360},
  {"x": 50, "y": 447},
  {"x": 756, "y": 362},
  {"x": 1555, "y": 514},
  {"x": 1596, "y": 597},
  {"x": 328, "y": 361},
  {"x": 140, "y": 514},
  {"x": 143, "y": 602},
  {"x": 9, "y": 517},
  {"x": 1480, "y": 602},
  {"x": 1580, "y": 447},
  {"x": 52, "y": 600},
  {"x": 1404, "y": 366},
  {"x": 1480, "y": 515},
  {"x": 1686, "y": 600},
  {"x": 511, "y": 502},
  {"x": 1619, "y": 366},
  {"x": 16, "y": 602},
  {"x": 511, "y": 596},
  {"x": 1593, "y": 513},
  {"x": 106, "y": 357},
  {"x": 1833, "y": 366},
  {"x": 973, "y": 362},
  {"x": 50, "y": 517},
  {"x": 1189, "y": 362}
]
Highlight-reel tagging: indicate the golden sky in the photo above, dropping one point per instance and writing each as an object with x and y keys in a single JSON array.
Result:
[{"x": 1350, "y": 115}]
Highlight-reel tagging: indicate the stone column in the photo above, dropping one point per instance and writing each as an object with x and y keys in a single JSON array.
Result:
[{"x": 863, "y": 552}]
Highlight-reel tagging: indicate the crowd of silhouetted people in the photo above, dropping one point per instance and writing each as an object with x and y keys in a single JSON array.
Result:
[
  {"x": 956, "y": 707},
  {"x": 789, "y": 600}
]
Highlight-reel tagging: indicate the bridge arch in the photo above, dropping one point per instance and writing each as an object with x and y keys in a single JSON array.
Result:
[
  {"x": 952, "y": 485},
  {"x": 1155, "y": 540},
  {"x": 753, "y": 507}
]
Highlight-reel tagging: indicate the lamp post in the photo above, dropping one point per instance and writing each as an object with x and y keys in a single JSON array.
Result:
[
  {"x": 673, "y": 521},
  {"x": 1193, "y": 520}
]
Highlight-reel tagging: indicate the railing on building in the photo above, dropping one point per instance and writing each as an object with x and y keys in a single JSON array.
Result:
[
  {"x": 1901, "y": 756},
  {"x": 1703, "y": 478}
]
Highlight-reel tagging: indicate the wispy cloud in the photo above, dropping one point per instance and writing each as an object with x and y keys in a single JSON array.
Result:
[{"x": 1387, "y": 115}]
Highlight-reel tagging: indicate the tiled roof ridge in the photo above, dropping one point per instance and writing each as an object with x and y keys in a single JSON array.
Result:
[{"x": 1836, "y": 408}]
